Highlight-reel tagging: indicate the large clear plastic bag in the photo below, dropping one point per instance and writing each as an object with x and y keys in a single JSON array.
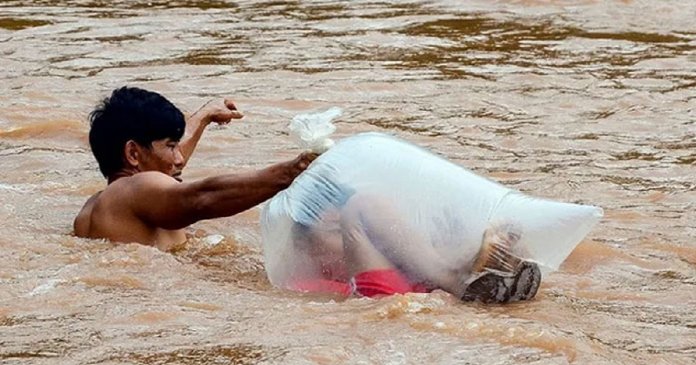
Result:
[{"x": 422, "y": 202}]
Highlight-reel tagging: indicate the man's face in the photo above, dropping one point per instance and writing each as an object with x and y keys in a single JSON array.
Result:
[{"x": 165, "y": 156}]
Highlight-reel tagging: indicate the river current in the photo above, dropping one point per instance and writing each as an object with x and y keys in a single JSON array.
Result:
[{"x": 590, "y": 102}]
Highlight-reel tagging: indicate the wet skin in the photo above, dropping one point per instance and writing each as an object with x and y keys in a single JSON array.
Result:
[{"x": 147, "y": 202}]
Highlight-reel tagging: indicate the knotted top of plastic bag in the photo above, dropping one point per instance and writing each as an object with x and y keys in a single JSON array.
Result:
[{"x": 311, "y": 131}]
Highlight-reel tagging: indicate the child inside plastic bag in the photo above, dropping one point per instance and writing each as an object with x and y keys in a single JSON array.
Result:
[
  {"x": 376, "y": 215},
  {"x": 362, "y": 246}
]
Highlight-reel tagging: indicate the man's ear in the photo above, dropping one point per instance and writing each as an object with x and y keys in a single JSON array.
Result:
[{"x": 132, "y": 153}]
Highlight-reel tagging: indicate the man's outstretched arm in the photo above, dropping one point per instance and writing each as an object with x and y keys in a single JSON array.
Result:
[
  {"x": 160, "y": 201},
  {"x": 220, "y": 111}
]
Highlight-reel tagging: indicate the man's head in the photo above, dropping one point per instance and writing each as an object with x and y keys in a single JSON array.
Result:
[{"x": 139, "y": 130}]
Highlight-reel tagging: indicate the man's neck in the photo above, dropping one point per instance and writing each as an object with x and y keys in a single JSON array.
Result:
[{"x": 126, "y": 172}]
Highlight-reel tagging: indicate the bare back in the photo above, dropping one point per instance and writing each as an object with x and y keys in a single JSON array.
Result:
[{"x": 112, "y": 214}]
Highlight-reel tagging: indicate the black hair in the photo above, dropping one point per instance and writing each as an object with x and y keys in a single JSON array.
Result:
[{"x": 134, "y": 114}]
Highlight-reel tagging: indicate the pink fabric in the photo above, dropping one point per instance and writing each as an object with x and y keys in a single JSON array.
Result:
[
  {"x": 371, "y": 283},
  {"x": 385, "y": 282}
]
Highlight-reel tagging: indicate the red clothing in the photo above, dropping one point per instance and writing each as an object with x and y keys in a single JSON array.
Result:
[
  {"x": 369, "y": 284},
  {"x": 323, "y": 286}
]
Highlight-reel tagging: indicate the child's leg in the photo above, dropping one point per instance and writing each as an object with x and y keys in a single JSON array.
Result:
[{"x": 376, "y": 236}]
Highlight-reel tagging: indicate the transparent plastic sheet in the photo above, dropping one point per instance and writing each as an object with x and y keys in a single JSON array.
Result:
[
  {"x": 312, "y": 131},
  {"x": 422, "y": 212}
]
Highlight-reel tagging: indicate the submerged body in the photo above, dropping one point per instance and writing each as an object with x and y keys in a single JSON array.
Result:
[
  {"x": 136, "y": 136},
  {"x": 104, "y": 216}
]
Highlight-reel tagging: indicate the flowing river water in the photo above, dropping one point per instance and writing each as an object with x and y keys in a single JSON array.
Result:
[{"x": 580, "y": 101}]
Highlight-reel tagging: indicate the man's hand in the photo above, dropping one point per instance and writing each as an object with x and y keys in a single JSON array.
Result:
[
  {"x": 299, "y": 164},
  {"x": 304, "y": 159},
  {"x": 220, "y": 111}
]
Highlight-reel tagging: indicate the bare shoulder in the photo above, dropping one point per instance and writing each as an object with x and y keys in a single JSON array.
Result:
[
  {"x": 153, "y": 176},
  {"x": 81, "y": 225},
  {"x": 140, "y": 185},
  {"x": 144, "y": 180},
  {"x": 117, "y": 201}
]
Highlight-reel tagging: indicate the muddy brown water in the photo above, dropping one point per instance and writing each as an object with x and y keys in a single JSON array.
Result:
[{"x": 581, "y": 101}]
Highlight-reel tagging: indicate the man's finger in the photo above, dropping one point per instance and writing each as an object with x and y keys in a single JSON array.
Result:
[
  {"x": 230, "y": 104},
  {"x": 225, "y": 117},
  {"x": 304, "y": 159},
  {"x": 310, "y": 156}
]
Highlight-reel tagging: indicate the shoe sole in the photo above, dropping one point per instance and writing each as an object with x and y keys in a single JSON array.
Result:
[
  {"x": 500, "y": 287},
  {"x": 527, "y": 282}
]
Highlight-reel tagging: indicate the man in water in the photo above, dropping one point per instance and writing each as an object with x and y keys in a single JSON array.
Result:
[{"x": 142, "y": 142}]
